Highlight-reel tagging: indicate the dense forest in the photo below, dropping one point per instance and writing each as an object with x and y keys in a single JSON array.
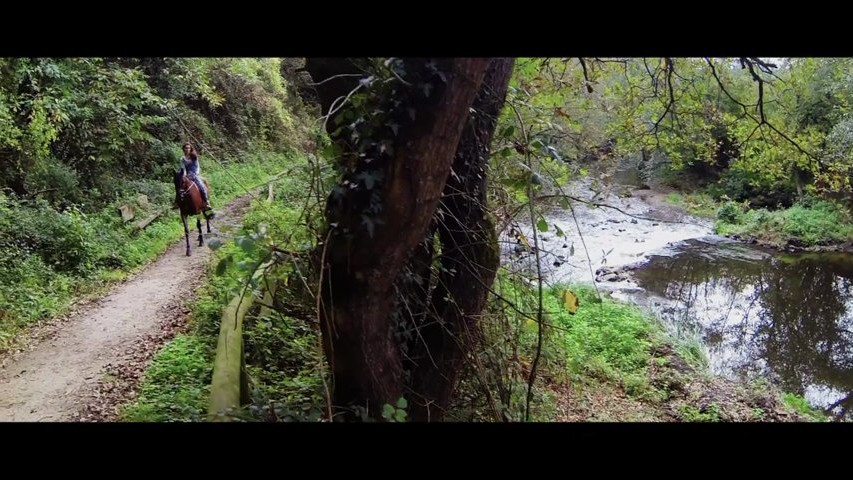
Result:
[{"x": 410, "y": 225}]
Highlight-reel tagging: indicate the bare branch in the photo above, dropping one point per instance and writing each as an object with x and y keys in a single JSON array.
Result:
[{"x": 585, "y": 76}]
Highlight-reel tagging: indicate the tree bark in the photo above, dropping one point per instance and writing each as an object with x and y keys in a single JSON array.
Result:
[
  {"x": 359, "y": 268},
  {"x": 470, "y": 256}
]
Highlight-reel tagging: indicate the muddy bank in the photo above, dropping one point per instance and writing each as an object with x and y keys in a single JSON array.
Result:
[
  {"x": 794, "y": 246},
  {"x": 681, "y": 394}
]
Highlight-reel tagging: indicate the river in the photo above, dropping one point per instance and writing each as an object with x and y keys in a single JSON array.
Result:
[{"x": 759, "y": 313}]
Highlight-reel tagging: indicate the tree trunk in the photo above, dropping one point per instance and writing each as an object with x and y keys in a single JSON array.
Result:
[
  {"x": 379, "y": 214},
  {"x": 469, "y": 258}
]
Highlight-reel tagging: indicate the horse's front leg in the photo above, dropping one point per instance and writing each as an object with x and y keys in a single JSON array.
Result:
[
  {"x": 186, "y": 233},
  {"x": 208, "y": 223},
  {"x": 200, "y": 237}
]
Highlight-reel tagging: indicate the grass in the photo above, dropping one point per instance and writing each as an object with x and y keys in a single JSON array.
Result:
[
  {"x": 176, "y": 387},
  {"x": 802, "y": 406},
  {"x": 606, "y": 340},
  {"x": 286, "y": 367},
  {"x": 33, "y": 287}
]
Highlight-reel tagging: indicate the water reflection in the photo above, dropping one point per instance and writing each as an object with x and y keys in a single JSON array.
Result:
[{"x": 787, "y": 318}]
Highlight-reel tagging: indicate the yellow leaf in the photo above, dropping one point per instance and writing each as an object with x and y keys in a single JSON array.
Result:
[
  {"x": 523, "y": 240},
  {"x": 570, "y": 300}
]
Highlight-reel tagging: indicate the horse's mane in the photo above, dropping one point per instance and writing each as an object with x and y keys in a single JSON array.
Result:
[{"x": 179, "y": 176}]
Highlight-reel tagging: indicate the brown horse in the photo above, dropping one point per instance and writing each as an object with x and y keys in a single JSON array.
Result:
[{"x": 190, "y": 203}]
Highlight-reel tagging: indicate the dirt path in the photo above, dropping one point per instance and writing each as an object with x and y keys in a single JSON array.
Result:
[{"x": 56, "y": 379}]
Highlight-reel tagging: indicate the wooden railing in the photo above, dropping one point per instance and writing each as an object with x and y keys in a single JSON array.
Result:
[{"x": 229, "y": 389}]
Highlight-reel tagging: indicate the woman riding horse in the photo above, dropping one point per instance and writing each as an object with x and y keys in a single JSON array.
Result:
[
  {"x": 191, "y": 194},
  {"x": 190, "y": 164}
]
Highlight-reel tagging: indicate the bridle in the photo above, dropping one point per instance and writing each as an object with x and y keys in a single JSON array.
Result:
[{"x": 183, "y": 193}]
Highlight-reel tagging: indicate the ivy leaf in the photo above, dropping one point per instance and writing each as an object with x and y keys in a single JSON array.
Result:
[
  {"x": 368, "y": 224},
  {"x": 369, "y": 179},
  {"x": 387, "y": 411},
  {"x": 542, "y": 225},
  {"x": 560, "y": 232},
  {"x": 402, "y": 403},
  {"x": 553, "y": 152},
  {"x": 330, "y": 151},
  {"x": 385, "y": 146},
  {"x": 223, "y": 265},
  {"x": 508, "y": 131},
  {"x": 564, "y": 202},
  {"x": 246, "y": 243}
]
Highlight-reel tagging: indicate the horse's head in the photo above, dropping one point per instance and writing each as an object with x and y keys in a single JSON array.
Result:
[{"x": 180, "y": 180}]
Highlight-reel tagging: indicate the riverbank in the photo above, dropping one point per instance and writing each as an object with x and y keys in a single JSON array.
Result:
[
  {"x": 809, "y": 226},
  {"x": 623, "y": 366}
]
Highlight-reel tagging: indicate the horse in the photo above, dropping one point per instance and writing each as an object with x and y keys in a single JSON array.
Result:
[{"x": 190, "y": 203}]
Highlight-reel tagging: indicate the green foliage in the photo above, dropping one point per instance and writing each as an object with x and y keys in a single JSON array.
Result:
[
  {"x": 731, "y": 212},
  {"x": 802, "y": 406},
  {"x": 81, "y": 136},
  {"x": 176, "y": 385},
  {"x": 116, "y": 119},
  {"x": 808, "y": 224},
  {"x": 285, "y": 367},
  {"x": 696, "y": 116},
  {"x": 65, "y": 241},
  {"x": 604, "y": 339},
  {"x": 395, "y": 413},
  {"x": 690, "y": 413}
]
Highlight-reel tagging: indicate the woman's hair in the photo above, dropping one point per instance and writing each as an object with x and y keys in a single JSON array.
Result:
[{"x": 193, "y": 154}]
